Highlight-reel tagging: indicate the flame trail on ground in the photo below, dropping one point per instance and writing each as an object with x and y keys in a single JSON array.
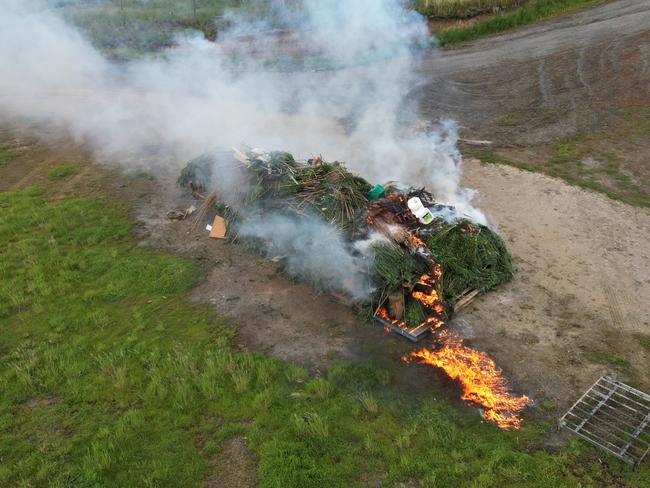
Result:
[{"x": 481, "y": 379}]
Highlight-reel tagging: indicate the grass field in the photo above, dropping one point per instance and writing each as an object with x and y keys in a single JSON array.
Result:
[
  {"x": 110, "y": 377},
  {"x": 609, "y": 162},
  {"x": 63, "y": 171},
  {"x": 528, "y": 13},
  {"x": 124, "y": 29},
  {"x": 458, "y": 9},
  {"x": 128, "y": 28}
]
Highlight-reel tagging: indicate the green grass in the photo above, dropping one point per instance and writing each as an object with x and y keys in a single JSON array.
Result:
[
  {"x": 608, "y": 359},
  {"x": 132, "y": 28},
  {"x": 549, "y": 405},
  {"x": 111, "y": 377},
  {"x": 63, "y": 171},
  {"x": 455, "y": 9},
  {"x": 529, "y": 13},
  {"x": 509, "y": 120},
  {"x": 492, "y": 158},
  {"x": 565, "y": 162},
  {"x": 564, "y": 153},
  {"x": 6, "y": 154},
  {"x": 644, "y": 340}
]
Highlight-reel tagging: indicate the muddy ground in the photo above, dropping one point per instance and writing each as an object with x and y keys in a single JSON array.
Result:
[{"x": 578, "y": 306}]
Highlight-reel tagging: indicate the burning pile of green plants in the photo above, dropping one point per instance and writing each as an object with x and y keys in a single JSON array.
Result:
[{"x": 423, "y": 259}]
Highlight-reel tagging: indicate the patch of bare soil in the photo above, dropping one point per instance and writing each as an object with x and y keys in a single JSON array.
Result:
[
  {"x": 39, "y": 150},
  {"x": 579, "y": 301},
  {"x": 233, "y": 467},
  {"x": 546, "y": 95},
  {"x": 38, "y": 402}
]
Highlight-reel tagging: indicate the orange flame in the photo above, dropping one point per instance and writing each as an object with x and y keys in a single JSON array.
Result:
[
  {"x": 430, "y": 299},
  {"x": 428, "y": 296},
  {"x": 482, "y": 381},
  {"x": 382, "y": 313}
]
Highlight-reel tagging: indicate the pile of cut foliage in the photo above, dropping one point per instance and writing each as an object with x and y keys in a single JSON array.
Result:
[{"x": 419, "y": 272}]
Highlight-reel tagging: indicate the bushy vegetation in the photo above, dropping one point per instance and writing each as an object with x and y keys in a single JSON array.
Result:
[
  {"x": 110, "y": 377},
  {"x": 279, "y": 182},
  {"x": 330, "y": 189},
  {"x": 471, "y": 257},
  {"x": 458, "y": 9},
  {"x": 128, "y": 28},
  {"x": 396, "y": 267},
  {"x": 530, "y": 12}
]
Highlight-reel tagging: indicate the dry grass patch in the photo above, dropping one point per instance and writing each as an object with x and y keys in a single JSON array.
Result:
[
  {"x": 464, "y": 8},
  {"x": 611, "y": 161}
]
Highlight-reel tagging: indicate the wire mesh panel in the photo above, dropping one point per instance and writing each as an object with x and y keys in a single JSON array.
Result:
[{"x": 614, "y": 417}]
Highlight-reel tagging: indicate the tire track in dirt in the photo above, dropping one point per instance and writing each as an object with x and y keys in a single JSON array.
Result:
[
  {"x": 585, "y": 65},
  {"x": 615, "y": 310},
  {"x": 581, "y": 285},
  {"x": 27, "y": 179}
]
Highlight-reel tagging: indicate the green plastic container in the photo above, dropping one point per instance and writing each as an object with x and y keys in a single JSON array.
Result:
[{"x": 377, "y": 191}]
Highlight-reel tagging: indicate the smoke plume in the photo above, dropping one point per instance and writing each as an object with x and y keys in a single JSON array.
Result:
[
  {"x": 313, "y": 250},
  {"x": 343, "y": 95}
]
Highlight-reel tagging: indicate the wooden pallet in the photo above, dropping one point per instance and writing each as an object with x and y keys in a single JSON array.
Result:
[{"x": 411, "y": 333}]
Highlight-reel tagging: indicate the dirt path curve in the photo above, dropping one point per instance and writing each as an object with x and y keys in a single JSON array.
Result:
[
  {"x": 579, "y": 305},
  {"x": 614, "y": 20},
  {"x": 558, "y": 78}
]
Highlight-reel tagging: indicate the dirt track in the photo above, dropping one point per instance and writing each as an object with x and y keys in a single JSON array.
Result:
[
  {"x": 559, "y": 77},
  {"x": 591, "y": 27},
  {"x": 581, "y": 297},
  {"x": 582, "y": 292}
]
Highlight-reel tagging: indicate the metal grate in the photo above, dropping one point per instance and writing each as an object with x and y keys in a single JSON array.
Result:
[{"x": 614, "y": 417}]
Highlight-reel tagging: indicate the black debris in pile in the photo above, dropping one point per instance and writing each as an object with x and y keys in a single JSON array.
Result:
[{"x": 420, "y": 270}]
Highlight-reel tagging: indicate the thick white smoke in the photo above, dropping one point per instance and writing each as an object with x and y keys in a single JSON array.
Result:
[
  {"x": 313, "y": 250},
  {"x": 198, "y": 95}
]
